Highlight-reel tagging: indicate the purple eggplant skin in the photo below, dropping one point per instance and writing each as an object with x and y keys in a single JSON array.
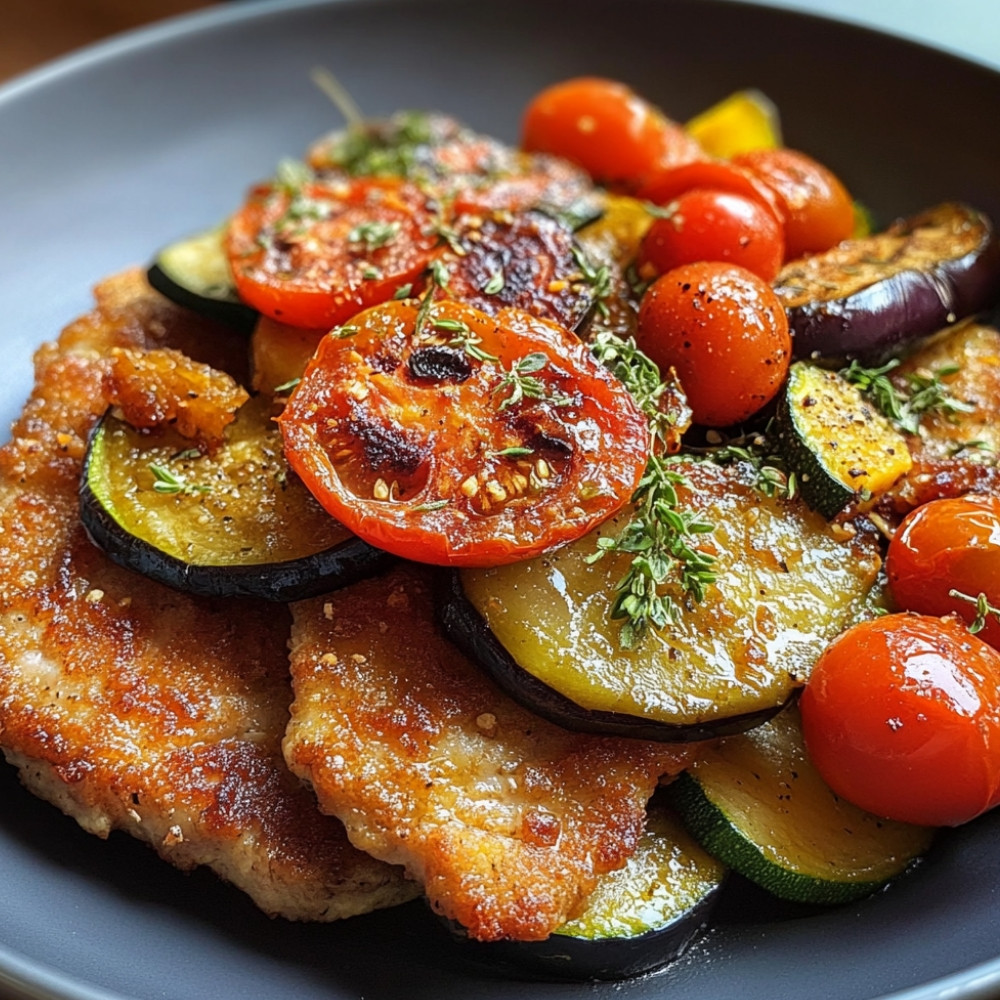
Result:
[
  {"x": 467, "y": 630},
  {"x": 870, "y": 298}
]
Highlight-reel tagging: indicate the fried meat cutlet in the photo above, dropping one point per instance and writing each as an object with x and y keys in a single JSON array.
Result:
[
  {"x": 507, "y": 820},
  {"x": 134, "y": 707}
]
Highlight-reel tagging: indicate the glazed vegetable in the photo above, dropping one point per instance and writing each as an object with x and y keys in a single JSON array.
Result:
[
  {"x": 706, "y": 224},
  {"x": 785, "y": 584},
  {"x": 839, "y": 446},
  {"x": 815, "y": 207},
  {"x": 741, "y": 122},
  {"x": 233, "y": 523},
  {"x": 902, "y": 717},
  {"x": 195, "y": 274},
  {"x": 446, "y": 436},
  {"x": 949, "y": 545},
  {"x": 870, "y": 297},
  {"x": 311, "y": 253},
  {"x": 725, "y": 334},
  {"x": 608, "y": 129},
  {"x": 756, "y": 802},
  {"x": 639, "y": 917}
]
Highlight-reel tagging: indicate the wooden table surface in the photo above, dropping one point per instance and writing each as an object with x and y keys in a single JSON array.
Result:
[{"x": 34, "y": 31}]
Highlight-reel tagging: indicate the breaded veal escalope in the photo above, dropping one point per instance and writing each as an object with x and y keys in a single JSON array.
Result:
[
  {"x": 131, "y": 706},
  {"x": 507, "y": 820}
]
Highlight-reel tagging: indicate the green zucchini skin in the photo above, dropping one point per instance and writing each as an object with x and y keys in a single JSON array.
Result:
[
  {"x": 193, "y": 273},
  {"x": 286, "y": 581},
  {"x": 281, "y": 580},
  {"x": 598, "y": 945},
  {"x": 759, "y": 806},
  {"x": 837, "y": 443},
  {"x": 468, "y": 630}
]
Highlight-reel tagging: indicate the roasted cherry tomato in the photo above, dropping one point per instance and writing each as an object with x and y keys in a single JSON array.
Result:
[
  {"x": 314, "y": 255},
  {"x": 724, "y": 332},
  {"x": 901, "y": 716},
  {"x": 702, "y": 224},
  {"x": 616, "y": 136},
  {"x": 945, "y": 545},
  {"x": 718, "y": 175},
  {"x": 818, "y": 212},
  {"x": 451, "y": 437},
  {"x": 527, "y": 260}
]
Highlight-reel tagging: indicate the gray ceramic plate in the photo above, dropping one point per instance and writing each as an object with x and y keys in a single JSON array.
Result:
[{"x": 109, "y": 154}]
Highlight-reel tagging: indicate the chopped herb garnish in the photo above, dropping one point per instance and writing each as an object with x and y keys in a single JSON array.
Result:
[
  {"x": 904, "y": 405},
  {"x": 404, "y": 291},
  {"x": 599, "y": 279},
  {"x": 513, "y": 452},
  {"x": 521, "y": 383},
  {"x": 432, "y": 505},
  {"x": 495, "y": 284},
  {"x": 345, "y": 331},
  {"x": 165, "y": 481},
  {"x": 661, "y": 540},
  {"x": 287, "y": 386},
  {"x": 374, "y": 235}
]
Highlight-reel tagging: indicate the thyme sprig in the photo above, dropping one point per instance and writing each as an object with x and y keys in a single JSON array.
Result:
[
  {"x": 641, "y": 376},
  {"x": 984, "y": 610},
  {"x": 520, "y": 383},
  {"x": 923, "y": 392},
  {"x": 771, "y": 475},
  {"x": 662, "y": 542},
  {"x": 659, "y": 537},
  {"x": 599, "y": 278},
  {"x": 167, "y": 481}
]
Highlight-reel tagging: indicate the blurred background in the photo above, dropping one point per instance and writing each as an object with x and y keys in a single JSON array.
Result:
[{"x": 35, "y": 31}]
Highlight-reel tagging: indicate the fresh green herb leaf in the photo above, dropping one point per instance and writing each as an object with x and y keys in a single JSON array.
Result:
[
  {"x": 432, "y": 505},
  {"x": 374, "y": 234},
  {"x": 495, "y": 284},
  {"x": 661, "y": 539},
  {"x": 520, "y": 383},
  {"x": 166, "y": 481},
  {"x": 983, "y": 609},
  {"x": 922, "y": 392},
  {"x": 287, "y": 386}
]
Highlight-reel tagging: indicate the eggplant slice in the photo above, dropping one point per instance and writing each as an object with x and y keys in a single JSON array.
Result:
[
  {"x": 639, "y": 918},
  {"x": 233, "y": 523},
  {"x": 194, "y": 273},
  {"x": 869, "y": 297},
  {"x": 787, "y": 583}
]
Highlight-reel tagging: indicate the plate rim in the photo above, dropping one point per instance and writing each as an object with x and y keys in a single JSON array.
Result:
[{"x": 24, "y": 978}]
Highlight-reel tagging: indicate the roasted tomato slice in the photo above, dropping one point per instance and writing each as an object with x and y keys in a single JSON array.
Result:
[
  {"x": 313, "y": 254},
  {"x": 528, "y": 261},
  {"x": 451, "y": 437}
]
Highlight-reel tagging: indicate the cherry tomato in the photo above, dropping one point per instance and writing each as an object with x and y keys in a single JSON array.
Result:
[
  {"x": 449, "y": 437},
  {"x": 314, "y": 256},
  {"x": 724, "y": 332},
  {"x": 818, "y": 211},
  {"x": 606, "y": 128},
  {"x": 945, "y": 545},
  {"x": 702, "y": 224},
  {"x": 901, "y": 716},
  {"x": 719, "y": 175}
]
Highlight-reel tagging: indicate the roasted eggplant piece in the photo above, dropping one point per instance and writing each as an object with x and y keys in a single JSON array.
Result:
[
  {"x": 787, "y": 583},
  {"x": 639, "y": 918},
  {"x": 868, "y": 297},
  {"x": 194, "y": 273},
  {"x": 756, "y": 803},
  {"x": 232, "y": 523}
]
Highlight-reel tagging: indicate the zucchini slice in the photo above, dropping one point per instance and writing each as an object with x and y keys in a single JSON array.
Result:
[
  {"x": 787, "y": 582},
  {"x": 639, "y": 918},
  {"x": 194, "y": 273},
  {"x": 840, "y": 447},
  {"x": 756, "y": 803},
  {"x": 234, "y": 523}
]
